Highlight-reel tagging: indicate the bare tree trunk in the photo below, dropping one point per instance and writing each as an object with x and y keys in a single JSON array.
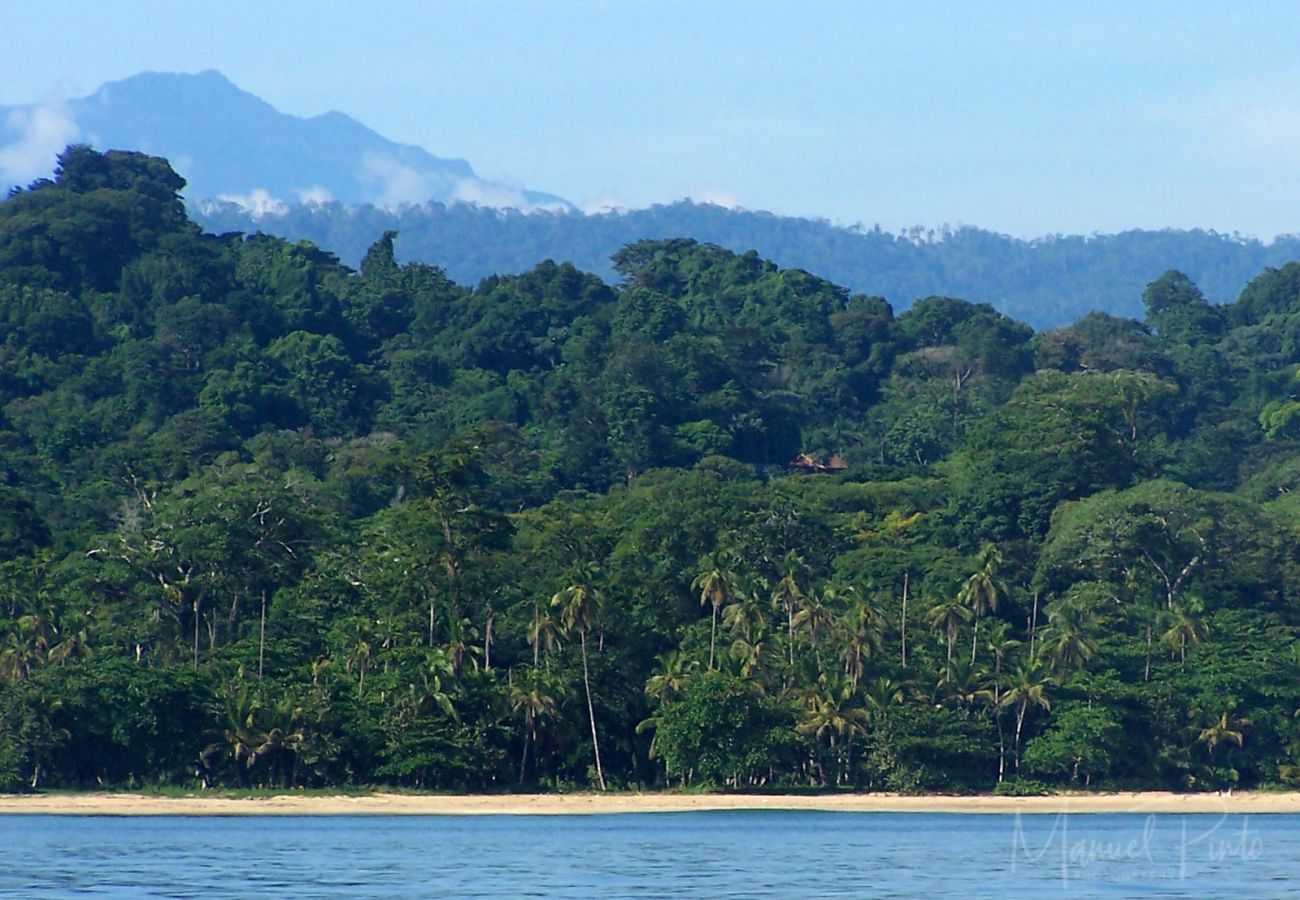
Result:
[
  {"x": 591, "y": 710},
  {"x": 906, "y": 579},
  {"x": 713, "y": 636},
  {"x": 1020, "y": 724},
  {"x": 261, "y": 639},
  {"x": 1033, "y": 625},
  {"x": 523, "y": 761}
]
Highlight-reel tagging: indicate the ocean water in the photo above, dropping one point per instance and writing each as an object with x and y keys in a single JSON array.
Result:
[{"x": 764, "y": 853}]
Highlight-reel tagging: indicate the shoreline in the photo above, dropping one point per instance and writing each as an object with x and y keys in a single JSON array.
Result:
[{"x": 386, "y": 804}]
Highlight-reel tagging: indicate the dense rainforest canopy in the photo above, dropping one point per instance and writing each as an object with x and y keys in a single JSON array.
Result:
[
  {"x": 266, "y": 520},
  {"x": 1048, "y": 282}
]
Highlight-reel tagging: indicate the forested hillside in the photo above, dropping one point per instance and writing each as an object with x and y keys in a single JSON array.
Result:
[
  {"x": 266, "y": 520},
  {"x": 1047, "y": 283}
]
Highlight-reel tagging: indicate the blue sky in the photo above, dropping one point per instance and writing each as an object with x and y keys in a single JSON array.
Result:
[{"x": 1027, "y": 118}]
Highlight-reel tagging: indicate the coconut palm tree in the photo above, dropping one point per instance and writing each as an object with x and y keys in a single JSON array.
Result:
[
  {"x": 277, "y": 737},
  {"x": 581, "y": 606},
  {"x": 818, "y": 617},
  {"x": 533, "y": 699},
  {"x": 963, "y": 685},
  {"x": 745, "y": 617},
  {"x": 999, "y": 642},
  {"x": 1184, "y": 628},
  {"x": 788, "y": 596},
  {"x": 1027, "y": 690},
  {"x": 831, "y": 713},
  {"x": 948, "y": 616},
  {"x": 882, "y": 691},
  {"x": 1069, "y": 640},
  {"x": 717, "y": 584},
  {"x": 1227, "y": 729},
  {"x": 675, "y": 670},
  {"x": 752, "y": 658},
  {"x": 982, "y": 591},
  {"x": 543, "y": 632},
  {"x": 860, "y": 637}
]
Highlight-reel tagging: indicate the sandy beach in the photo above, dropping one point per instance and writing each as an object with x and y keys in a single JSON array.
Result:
[{"x": 122, "y": 804}]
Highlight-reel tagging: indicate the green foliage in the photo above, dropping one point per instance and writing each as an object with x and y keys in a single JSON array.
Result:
[
  {"x": 720, "y": 732},
  {"x": 269, "y": 522}
]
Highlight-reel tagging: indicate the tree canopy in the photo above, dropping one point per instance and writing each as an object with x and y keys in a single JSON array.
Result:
[{"x": 269, "y": 521}]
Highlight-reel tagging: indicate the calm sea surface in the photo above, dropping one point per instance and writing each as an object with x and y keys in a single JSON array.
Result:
[{"x": 708, "y": 854}]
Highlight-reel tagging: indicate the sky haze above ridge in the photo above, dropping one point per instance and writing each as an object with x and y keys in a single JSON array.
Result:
[{"x": 1024, "y": 118}]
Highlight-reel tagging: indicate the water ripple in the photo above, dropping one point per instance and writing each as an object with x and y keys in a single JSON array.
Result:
[{"x": 712, "y": 854}]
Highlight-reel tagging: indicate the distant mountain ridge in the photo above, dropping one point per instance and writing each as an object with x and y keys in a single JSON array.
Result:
[
  {"x": 335, "y": 182},
  {"x": 229, "y": 144},
  {"x": 1046, "y": 283}
]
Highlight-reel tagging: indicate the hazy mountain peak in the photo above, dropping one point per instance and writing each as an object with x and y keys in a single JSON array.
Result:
[{"x": 231, "y": 145}]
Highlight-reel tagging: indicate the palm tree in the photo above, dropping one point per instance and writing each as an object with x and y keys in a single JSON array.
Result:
[
  {"x": 751, "y": 658},
  {"x": 17, "y": 657},
  {"x": 543, "y": 632},
  {"x": 999, "y": 642},
  {"x": 359, "y": 654},
  {"x": 27, "y": 646},
  {"x": 533, "y": 700},
  {"x": 277, "y": 737},
  {"x": 745, "y": 617},
  {"x": 238, "y": 733},
  {"x": 818, "y": 617},
  {"x": 831, "y": 714},
  {"x": 581, "y": 606},
  {"x": 675, "y": 669},
  {"x": 963, "y": 685},
  {"x": 717, "y": 585},
  {"x": 949, "y": 616},
  {"x": 1068, "y": 640},
  {"x": 982, "y": 591},
  {"x": 1226, "y": 729},
  {"x": 861, "y": 634},
  {"x": 788, "y": 595},
  {"x": 1185, "y": 628},
  {"x": 425, "y": 693},
  {"x": 883, "y": 691},
  {"x": 1028, "y": 689}
]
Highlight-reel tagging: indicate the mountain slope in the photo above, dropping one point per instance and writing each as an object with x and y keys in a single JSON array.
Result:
[
  {"x": 1046, "y": 283},
  {"x": 227, "y": 142}
]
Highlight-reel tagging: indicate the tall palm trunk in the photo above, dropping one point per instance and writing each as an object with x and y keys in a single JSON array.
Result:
[
  {"x": 523, "y": 760},
  {"x": 906, "y": 577},
  {"x": 261, "y": 639},
  {"x": 1020, "y": 724},
  {"x": 713, "y": 636},
  {"x": 591, "y": 710},
  {"x": 1033, "y": 626},
  {"x": 997, "y": 716}
]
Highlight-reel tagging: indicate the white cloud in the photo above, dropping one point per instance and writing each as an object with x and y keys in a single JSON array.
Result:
[
  {"x": 316, "y": 195},
  {"x": 717, "y": 197},
  {"x": 399, "y": 185},
  {"x": 500, "y": 196},
  {"x": 483, "y": 193},
  {"x": 42, "y": 133},
  {"x": 258, "y": 202}
]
